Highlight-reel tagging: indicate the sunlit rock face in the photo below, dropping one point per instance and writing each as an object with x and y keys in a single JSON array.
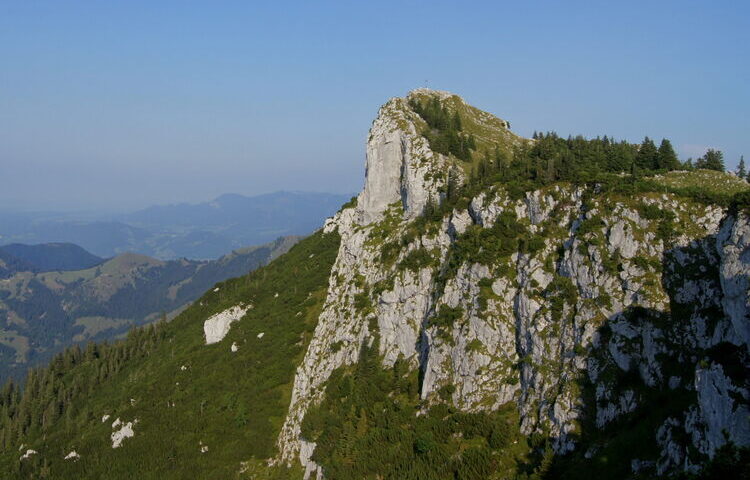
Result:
[
  {"x": 596, "y": 294},
  {"x": 217, "y": 326}
]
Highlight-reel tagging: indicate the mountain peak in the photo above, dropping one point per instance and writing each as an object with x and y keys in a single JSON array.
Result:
[
  {"x": 415, "y": 141},
  {"x": 424, "y": 91}
]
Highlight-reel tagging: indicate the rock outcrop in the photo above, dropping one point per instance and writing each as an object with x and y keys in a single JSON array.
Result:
[
  {"x": 217, "y": 326},
  {"x": 599, "y": 292},
  {"x": 122, "y": 431},
  {"x": 400, "y": 165},
  {"x": 733, "y": 245}
]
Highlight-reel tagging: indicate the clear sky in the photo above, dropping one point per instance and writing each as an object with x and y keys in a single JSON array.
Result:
[{"x": 118, "y": 105}]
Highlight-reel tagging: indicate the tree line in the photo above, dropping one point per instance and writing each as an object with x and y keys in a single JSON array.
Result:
[
  {"x": 49, "y": 394},
  {"x": 551, "y": 157},
  {"x": 445, "y": 130}
]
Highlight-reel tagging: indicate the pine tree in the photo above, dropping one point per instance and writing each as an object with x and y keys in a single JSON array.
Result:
[
  {"x": 712, "y": 160},
  {"x": 647, "y": 155},
  {"x": 457, "y": 122},
  {"x": 550, "y": 173},
  {"x": 741, "y": 171},
  {"x": 452, "y": 193},
  {"x": 501, "y": 160},
  {"x": 666, "y": 157}
]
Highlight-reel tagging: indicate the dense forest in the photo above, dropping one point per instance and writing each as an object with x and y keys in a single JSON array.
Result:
[
  {"x": 609, "y": 163},
  {"x": 50, "y": 397},
  {"x": 548, "y": 158}
]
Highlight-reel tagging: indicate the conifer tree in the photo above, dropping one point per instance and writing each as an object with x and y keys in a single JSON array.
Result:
[
  {"x": 666, "y": 157},
  {"x": 501, "y": 160},
  {"x": 741, "y": 170},
  {"x": 712, "y": 160},
  {"x": 550, "y": 173},
  {"x": 647, "y": 155},
  {"x": 457, "y": 122},
  {"x": 452, "y": 192}
]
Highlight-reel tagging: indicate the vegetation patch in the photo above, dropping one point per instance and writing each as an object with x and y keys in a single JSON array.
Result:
[
  {"x": 444, "y": 132},
  {"x": 486, "y": 246},
  {"x": 444, "y": 320},
  {"x": 474, "y": 346},
  {"x": 369, "y": 426},
  {"x": 560, "y": 292},
  {"x": 418, "y": 259}
]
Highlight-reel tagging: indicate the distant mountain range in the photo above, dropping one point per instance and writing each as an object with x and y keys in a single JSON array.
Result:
[
  {"x": 53, "y": 295},
  {"x": 198, "y": 231}
]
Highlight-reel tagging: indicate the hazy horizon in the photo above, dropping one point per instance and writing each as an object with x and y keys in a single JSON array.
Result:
[
  {"x": 96, "y": 212},
  {"x": 118, "y": 107}
]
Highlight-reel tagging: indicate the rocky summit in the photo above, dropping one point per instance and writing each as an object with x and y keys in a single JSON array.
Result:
[{"x": 488, "y": 307}]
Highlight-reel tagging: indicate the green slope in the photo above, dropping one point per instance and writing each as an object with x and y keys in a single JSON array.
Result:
[
  {"x": 49, "y": 311},
  {"x": 372, "y": 424},
  {"x": 183, "y": 393}
]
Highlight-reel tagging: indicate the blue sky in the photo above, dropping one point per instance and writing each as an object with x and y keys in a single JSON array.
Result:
[{"x": 118, "y": 105}]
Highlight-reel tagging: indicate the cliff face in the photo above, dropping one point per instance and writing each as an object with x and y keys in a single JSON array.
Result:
[
  {"x": 606, "y": 308},
  {"x": 401, "y": 167}
]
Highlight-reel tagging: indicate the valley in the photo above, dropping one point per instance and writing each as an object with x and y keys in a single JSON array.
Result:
[{"x": 50, "y": 304}]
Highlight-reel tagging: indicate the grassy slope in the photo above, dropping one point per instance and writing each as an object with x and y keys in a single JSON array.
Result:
[
  {"x": 490, "y": 132},
  {"x": 234, "y": 403},
  {"x": 108, "y": 299},
  {"x": 715, "y": 182}
]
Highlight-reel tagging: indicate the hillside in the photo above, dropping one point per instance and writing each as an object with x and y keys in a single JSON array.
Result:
[
  {"x": 48, "y": 257},
  {"x": 488, "y": 307},
  {"x": 42, "y": 312},
  {"x": 9, "y": 265}
]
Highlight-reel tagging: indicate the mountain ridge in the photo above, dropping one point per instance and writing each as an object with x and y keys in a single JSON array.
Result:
[
  {"x": 403, "y": 190},
  {"x": 490, "y": 307},
  {"x": 191, "y": 230}
]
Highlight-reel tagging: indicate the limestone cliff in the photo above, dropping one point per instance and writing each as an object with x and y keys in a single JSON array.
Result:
[{"x": 599, "y": 291}]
